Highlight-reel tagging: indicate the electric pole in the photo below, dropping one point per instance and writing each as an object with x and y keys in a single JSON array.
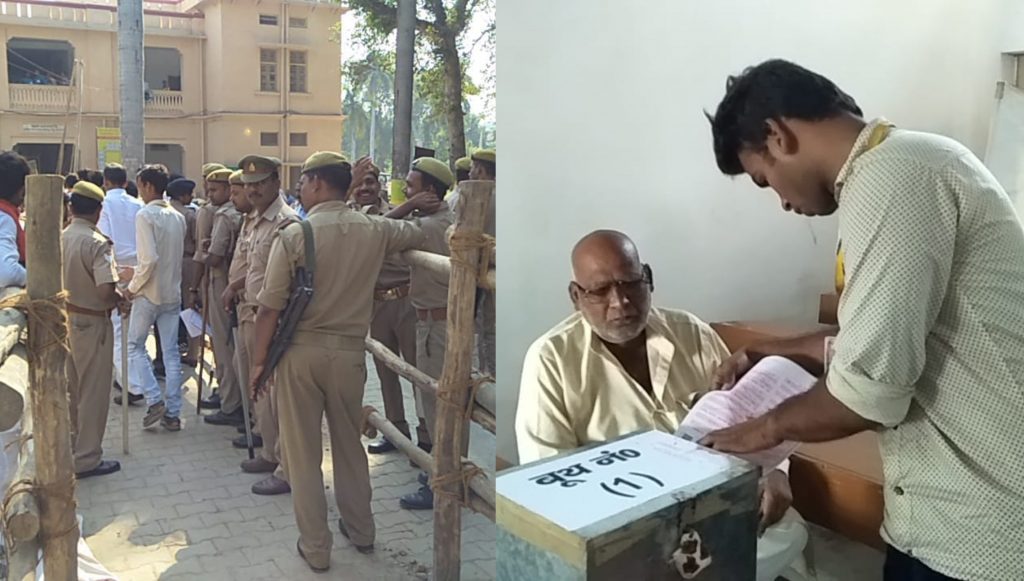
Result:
[{"x": 131, "y": 72}]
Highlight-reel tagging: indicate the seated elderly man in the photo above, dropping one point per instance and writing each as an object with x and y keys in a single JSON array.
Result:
[{"x": 619, "y": 365}]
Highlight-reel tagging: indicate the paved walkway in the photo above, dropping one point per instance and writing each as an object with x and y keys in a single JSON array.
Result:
[{"x": 182, "y": 509}]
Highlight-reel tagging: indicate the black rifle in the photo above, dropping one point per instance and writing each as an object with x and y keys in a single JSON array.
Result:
[{"x": 302, "y": 294}]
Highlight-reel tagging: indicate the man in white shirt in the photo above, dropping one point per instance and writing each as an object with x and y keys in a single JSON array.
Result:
[
  {"x": 155, "y": 291},
  {"x": 117, "y": 222},
  {"x": 619, "y": 365},
  {"x": 13, "y": 170}
]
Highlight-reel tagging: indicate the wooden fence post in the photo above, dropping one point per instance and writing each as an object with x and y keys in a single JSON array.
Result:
[
  {"x": 452, "y": 428},
  {"x": 47, "y": 338}
]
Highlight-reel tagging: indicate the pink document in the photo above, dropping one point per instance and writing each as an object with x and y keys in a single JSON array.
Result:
[{"x": 769, "y": 383}]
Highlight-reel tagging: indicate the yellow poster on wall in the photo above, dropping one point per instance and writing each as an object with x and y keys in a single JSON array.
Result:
[{"x": 108, "y": 146}]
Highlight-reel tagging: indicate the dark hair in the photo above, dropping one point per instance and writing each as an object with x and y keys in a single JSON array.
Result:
[
  {"x": 13, "y": 170},
  {"x": 83, "y": 206},
  {"x": 91, "y": 176},
  {"x": 490, "y": 166},
  {"x": 774, "y": 89},
  {"x": 131, "y": 189},
  {"x": 461, "y": 175},
  {"x": 115, "y": 175},
  {"x": 338, "y": 177},
  {"x": 155, "y": 175},
  {"x": 430, "y": 181},
  {"x": 70, "y": 180}
]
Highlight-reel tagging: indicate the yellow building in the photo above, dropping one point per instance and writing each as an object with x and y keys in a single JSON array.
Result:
[{"x": 224, "y": 78}]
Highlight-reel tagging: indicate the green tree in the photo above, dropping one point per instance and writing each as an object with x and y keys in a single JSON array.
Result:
[{"x": 441, "y": 26}]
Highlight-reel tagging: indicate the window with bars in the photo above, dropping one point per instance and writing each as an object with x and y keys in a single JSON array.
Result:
[
  {"x": 297, "y": 71},
  {"x": 297, "y": 139},
  {"x": 268, "y": 19},
  {"x": 268, "y": 70},
  {"x": 268, "y": 139}
]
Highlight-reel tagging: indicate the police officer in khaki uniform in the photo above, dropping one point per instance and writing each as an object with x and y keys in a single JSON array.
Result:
[
  {"x": 227, "y": 222},
  {"x": 234, "y": 295},
  {"x": 324, "y": 368},
  {"x": 484, "y": 169},
  {"x": 90, "y": 278},
  {"x": 204, "y": 227},
  {"x": 179, "y": 192},
  {"x": 270, "y": 213},
  {"x": 394, "y": 320},
  {"x": 427, "y": 183}
]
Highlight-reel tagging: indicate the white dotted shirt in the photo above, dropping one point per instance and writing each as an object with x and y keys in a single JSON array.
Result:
[{"x": 932, "y": 348}]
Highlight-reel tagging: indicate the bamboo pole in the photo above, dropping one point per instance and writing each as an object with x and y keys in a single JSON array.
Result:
[
  {"x": 490, "y": 280},
  {"x": 55, "y": 480},
  {"x": 12, "y": 401},
  {"x": 422, "y": 381},
  {"x": 442, "y": 265},
  {"x": 452, "y": 425},
  {"x": 481, "y": 486}
]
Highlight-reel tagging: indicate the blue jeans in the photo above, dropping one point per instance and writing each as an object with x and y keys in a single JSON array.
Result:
[{"x": 144, "y": 314}]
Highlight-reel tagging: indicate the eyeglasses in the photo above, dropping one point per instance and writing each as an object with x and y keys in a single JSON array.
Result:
[{"x": 631, "y": 288}]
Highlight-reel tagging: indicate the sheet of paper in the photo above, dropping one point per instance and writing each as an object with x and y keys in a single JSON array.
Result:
[
  {"x": 586, "y": 487},
  {"x": 194, "y": 322},
  {"x": 769, "y": 383}
]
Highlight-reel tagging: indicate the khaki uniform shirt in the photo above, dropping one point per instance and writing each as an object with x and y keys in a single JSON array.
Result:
[
  {"x": 350, "y": 248},
  {"x": 394, "y": 273},
  {"x": 160, "y": 238},
  {"x": 574, "y": 392},
  {"x": 257, "y": 251},
  {"x": 88, "y": 263},
  {"x": 931, "y": 346},
  {"x": 227, "y": 223},
  {"x": 204, "y": 226},
  {"x": 190, "y": 226},
  {"x": 428, "y": 289}
]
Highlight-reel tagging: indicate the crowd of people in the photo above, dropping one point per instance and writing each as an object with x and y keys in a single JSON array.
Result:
[{"x": 139, "y": 252}]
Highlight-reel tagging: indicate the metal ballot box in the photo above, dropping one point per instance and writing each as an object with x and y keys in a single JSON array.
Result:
[{"x": 644, "y": 507}]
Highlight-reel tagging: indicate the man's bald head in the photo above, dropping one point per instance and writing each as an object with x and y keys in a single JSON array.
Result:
[
  {"x": 601, "y": 247},
  {"x": 611, "y": 287}
]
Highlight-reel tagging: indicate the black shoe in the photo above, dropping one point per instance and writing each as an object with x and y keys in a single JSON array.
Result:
[
  {"x": 423, "y": 479},
  {"x": 381, "y": 447},
  {"x": 422, "y": 499},
  {"x": 426, "y": 448},
  {"x": 188, "y": 362},
  {"x": 240, "y": 443},
  {"x": 211, "y": 403},
  {"x": 132, "y": 399},
  {"x": 171, "y": 424},
  {"x": 364, "y": 549},
  {"x": 117, "y": 385},
  {"x": 105, "y": 467},
  {"x": 159, "y": 372},
  {"x": 222, "y": 419},
  {"x": 241, "y": 428}
]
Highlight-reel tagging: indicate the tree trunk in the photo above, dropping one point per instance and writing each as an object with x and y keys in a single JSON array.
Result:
[
  {"x": 401, "y": 146},
  {"x": 453, "y": 99}
]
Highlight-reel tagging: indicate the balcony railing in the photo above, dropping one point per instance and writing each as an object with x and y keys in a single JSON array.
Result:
[
  {"x": 43, "y": 98},
  {"x": 161, "y": 101}
]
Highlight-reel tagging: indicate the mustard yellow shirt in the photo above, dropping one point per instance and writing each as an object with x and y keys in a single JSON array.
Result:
[{"x": 574, "y": 391}]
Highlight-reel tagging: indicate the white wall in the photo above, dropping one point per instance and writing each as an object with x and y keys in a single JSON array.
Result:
[
  {"x": 601, "y": 108},
  {"x": 1013, "y": 40}
]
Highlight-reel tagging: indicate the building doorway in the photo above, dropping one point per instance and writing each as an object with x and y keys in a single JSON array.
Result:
[{"x": 45, "y": 155}]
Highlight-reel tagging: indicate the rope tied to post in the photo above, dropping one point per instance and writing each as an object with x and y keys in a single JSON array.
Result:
[
  {"x": 48, "y": 313},
  {"x": 459, "y": 241},
  {"x": 446, "y": 397},
  {"x": 467, "y": 472}
]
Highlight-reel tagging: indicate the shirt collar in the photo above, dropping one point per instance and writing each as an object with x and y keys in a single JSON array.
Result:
[
  {"x": 162, "y": 203},
  {"x": 660, "y": 349},
  {"x": 273, "y": 209},
  {"x": 83, "y": 223},
  {"x": 332, "y": 206},
  {"x": 859, "y": 147},
  {"x": 117, "y": 192}
]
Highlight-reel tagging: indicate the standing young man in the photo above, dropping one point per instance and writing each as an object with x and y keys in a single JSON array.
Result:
[
  {"x": 930, "y": 350},
  {"x": 155, "y": 292}
]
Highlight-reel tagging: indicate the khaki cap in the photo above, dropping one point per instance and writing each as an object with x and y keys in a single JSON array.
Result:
[
  {"x": 211, "y": 167},
  {"x": 323, "y": 159},
  {"x": 485, "y": 155},
  {"x": 256, "y": 168},
  {"x": 435, "y": 168},
  {"x": 219, "y": 175},
  {"x": 236, "y": 178},
  {"x": 463, "y": 164},
  {"x": 88, "y": 190}
]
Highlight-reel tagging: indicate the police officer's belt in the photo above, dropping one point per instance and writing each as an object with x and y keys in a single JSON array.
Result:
[
  {"x": 391, "y": 294},
  {"x": 329, "y": 341},
  {"x": 82, "y": 311}
]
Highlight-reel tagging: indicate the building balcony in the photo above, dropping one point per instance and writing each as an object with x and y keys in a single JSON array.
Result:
[
  {"x": 43, "y": 98},
  {"x": 162, "y": 102}
]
